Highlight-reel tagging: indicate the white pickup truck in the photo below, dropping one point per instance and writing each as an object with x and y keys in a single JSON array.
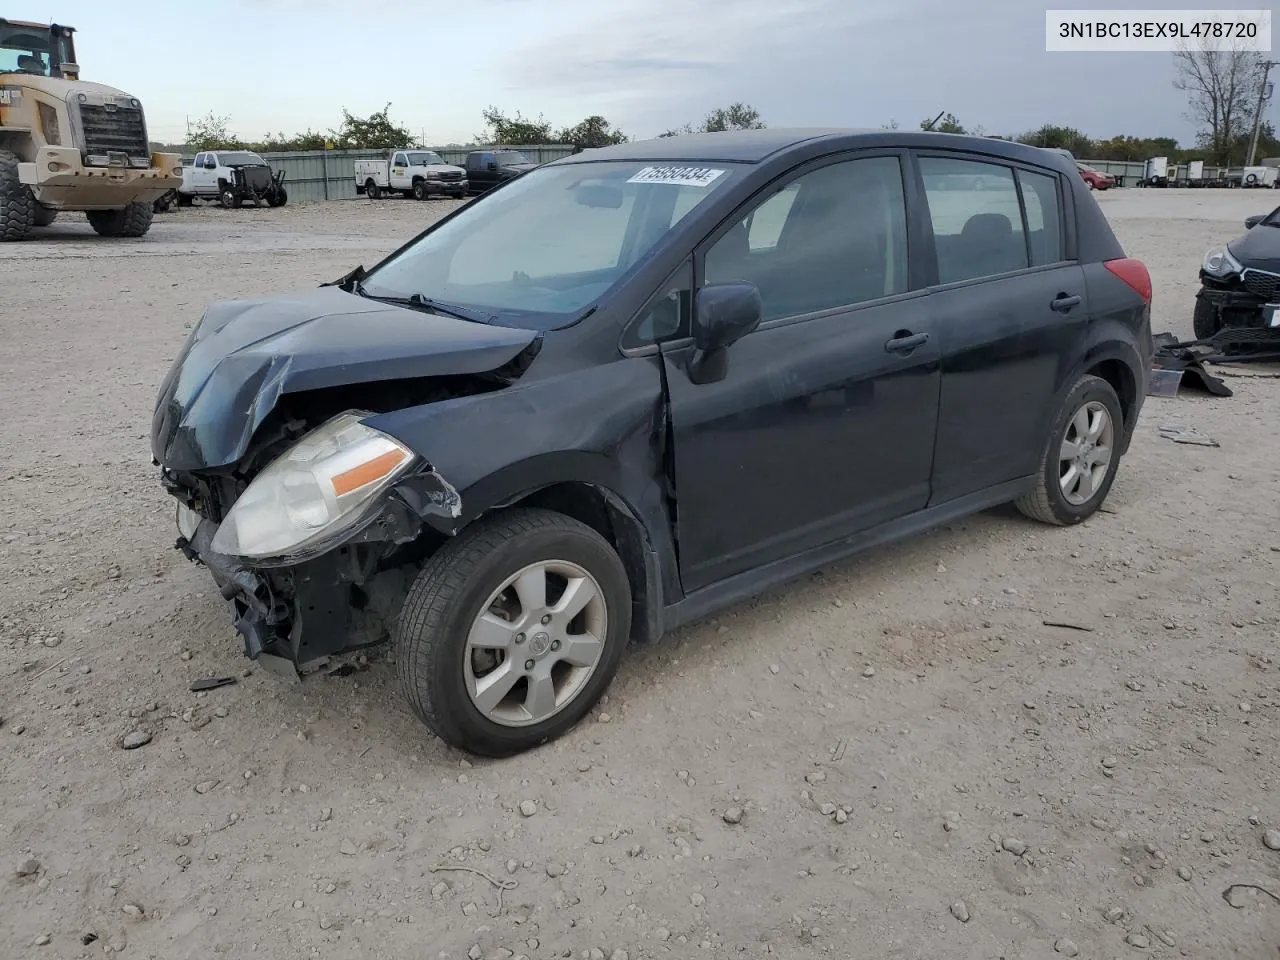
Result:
[
  {"x": 231, "y": 177},
  {"x": 414, "y": 173}
]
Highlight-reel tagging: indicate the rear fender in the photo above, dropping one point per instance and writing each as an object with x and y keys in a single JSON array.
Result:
[{"x": 1133, "y": 390}]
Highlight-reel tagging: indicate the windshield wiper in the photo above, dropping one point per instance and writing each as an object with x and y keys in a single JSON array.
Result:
[{"x": 419, "y": 302}]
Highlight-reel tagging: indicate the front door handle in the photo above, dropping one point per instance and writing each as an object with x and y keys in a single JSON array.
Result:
[
  {"x": 1064, "y": 302},
  {"x": 904, "y": 342}
]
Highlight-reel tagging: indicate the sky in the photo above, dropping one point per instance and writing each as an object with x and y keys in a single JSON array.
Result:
[{"x": 646, "y": 65}]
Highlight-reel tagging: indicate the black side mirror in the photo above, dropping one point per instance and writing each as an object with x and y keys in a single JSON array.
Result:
[
  {"x": 723, "y": 313},
  {"x": 1251, "y": 222}
]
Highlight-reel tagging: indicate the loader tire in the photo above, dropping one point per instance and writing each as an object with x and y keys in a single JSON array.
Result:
[
  {"x": 131, "y": 221},
  {"x": 17, "y": 205}
]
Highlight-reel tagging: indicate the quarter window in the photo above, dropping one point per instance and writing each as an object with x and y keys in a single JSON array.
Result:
[
  {"x": 666, "y": 313},
  {"x": 834, "y": 237},
  {"x": 1044, "y": 222},
  {"x": 977, "y": 220}
]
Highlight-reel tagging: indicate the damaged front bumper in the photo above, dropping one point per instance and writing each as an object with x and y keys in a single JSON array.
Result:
[
  {"x": 295, "y": 615},
  {"x": 1236, "y": 306}
]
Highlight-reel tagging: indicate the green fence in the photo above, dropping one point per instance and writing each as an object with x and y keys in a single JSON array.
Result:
[
  {"x": 312, "y": 175},
  {"x": 330, "y": 174}
]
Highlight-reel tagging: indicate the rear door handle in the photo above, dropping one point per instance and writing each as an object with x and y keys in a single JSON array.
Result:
[
  {"x": 905, "y": 342},
  {"x": 1065, "y": 303}
]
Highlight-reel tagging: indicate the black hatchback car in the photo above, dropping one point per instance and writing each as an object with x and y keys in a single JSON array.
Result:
[
  {"x": 1240, "y": 281},
  {"x": 641, "y": 383}
]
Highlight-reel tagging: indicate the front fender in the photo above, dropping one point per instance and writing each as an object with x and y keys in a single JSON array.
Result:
[{"x": 604, "y": 426}]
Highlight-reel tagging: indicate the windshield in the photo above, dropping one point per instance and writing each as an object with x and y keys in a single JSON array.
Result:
[
  {"x": 511, "y": 156},
  {"x": 550, "y": 243},
  {"x": 241, "y": 158},
  {"x": 30, "y": 50},
  {"x": 422, "y": 159}
]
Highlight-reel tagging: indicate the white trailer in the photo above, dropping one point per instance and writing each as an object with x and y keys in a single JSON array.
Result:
[
  {"x": 1259, "y": 177},
  {"x": 413, "y": 173},
  {"x": 1155, "y": 173}
]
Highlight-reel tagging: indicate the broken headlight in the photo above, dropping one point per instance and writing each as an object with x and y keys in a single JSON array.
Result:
[
  {"x": 1219, "y": 262},
  {"x": 313, "y": 492}
]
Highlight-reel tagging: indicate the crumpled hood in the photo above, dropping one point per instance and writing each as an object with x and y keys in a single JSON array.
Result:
[
  {"x": 1259, "y": 248},
  {"x": 244, "y": 354}
]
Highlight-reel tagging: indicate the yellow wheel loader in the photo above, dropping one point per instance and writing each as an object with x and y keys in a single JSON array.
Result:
[{"x": 68, "y": 144}]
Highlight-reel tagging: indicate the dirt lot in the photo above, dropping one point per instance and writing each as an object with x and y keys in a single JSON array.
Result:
[{"x": 1135, "y": 767}]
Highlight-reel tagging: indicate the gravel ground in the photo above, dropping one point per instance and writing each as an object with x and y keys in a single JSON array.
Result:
[{"x": 895, "y": 758}]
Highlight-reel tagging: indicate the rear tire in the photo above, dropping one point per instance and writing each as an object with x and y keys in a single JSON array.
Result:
[
  {"x": 132, "y": 221},
  {"x": 1089, "y": 425},
  {"x": 372, "y": 190},
  {"x": 42, "y": 216},
  {"x": 1205, "y": 322},
  {"x": 17, "y": 205},
  {"x": 446, "y": 607}
]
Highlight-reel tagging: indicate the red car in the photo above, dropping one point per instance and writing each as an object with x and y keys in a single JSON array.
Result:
[{"x": 1095, "y": 180}]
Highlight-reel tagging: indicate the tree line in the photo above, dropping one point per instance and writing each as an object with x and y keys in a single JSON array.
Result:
[
  {"x": 379, "y": 131},
  {"x": 1224, "y": 91}
]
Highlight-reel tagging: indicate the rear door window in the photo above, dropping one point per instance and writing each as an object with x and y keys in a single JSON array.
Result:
[{"x": 976, "y": 216}]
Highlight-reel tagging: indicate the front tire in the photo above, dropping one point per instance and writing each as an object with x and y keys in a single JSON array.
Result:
[
  {"x": 1204, "y": 321},
  {"x": 278, "y": 197},
  {"x": 419, "y": 190},
  {"x": 131, "y": 221},
  {"x": 513, "y": 631},
  {"x": 1080, "y": 458},
  {"x": 17, "y": 205}
]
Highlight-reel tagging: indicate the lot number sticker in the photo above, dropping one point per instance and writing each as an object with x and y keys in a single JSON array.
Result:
[{"x": 678, "y": 176}]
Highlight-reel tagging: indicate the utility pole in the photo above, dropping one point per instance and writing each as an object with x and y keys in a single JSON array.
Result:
[{"x": 1263, "y": 97}]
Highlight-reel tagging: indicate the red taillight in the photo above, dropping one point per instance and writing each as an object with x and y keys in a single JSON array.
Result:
[{"x": 1135, "y": 274}]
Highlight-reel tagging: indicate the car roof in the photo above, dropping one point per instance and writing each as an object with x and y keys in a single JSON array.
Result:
[{"x": 755, "y": 146}]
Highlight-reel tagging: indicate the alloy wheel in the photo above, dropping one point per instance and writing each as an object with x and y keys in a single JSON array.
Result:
[
  {"x": 1085, "y": 454},
  {"x": 535, "y": 643}
]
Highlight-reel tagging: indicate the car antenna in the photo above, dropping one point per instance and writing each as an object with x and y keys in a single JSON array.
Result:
[{"x": 934, "y": 121}]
